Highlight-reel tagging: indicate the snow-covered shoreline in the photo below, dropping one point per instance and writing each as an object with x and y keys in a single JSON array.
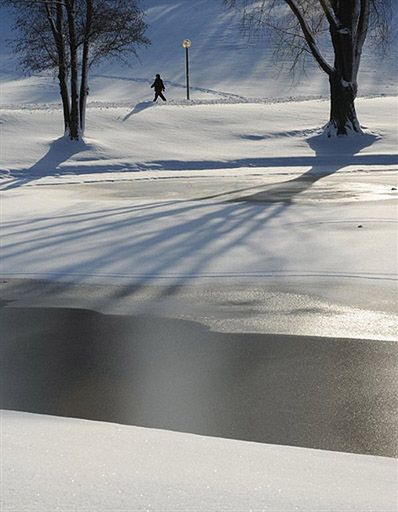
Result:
[{"x": 51, "y": 463}]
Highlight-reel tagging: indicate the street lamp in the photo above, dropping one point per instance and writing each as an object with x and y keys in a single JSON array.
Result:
[{"x": 187, "y": 44}]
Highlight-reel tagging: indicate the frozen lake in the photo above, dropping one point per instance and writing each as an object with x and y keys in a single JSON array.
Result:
[{"x": 318, "y": 392}]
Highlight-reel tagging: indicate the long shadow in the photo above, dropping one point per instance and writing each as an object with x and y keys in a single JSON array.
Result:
[
  {"x": 277, "y": 161},
  {"x": 54, "y": 160},
  {"x": 60, "y": 150},
  {"x": 55, "y": 163},
  {"x": 179, "y": 236},
  {"x": 249, "y": 218},
  {"x": 184, "y": 233},
  {"x": 330, "y": 156},
  {"x": 167, "y": 231},
  {"x": 139, "y": 108},
  {"x": 159, "y": 230},
  {"x": 177, "y": 85}
]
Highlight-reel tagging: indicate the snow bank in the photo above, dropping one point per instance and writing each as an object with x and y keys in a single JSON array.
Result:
[{"x": 51, "y": 464}]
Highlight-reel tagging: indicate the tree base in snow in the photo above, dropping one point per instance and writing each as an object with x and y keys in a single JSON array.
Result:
[{"x": 332, "y": 130}]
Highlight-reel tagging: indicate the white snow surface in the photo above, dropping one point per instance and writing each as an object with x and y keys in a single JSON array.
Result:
[
  {"x": 57, "y": 464},
  {"x": 281, "y": 136},
  {"x": 155, "y": 196}
]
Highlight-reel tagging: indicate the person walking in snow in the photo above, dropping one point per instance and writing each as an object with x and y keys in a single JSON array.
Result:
[{"x": 159, "y": 87}]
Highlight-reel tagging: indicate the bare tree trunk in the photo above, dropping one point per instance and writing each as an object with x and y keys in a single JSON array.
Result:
[
  {"x": 74, "y": 112},
  {"x": 85, "y": 64},
  {"x": 57, "y": 28},
  {"x": 346, "y": 31},
  {"x": 62, "y": 68},
  {"x": 348, "y": 24},
  {"x": 343, "y": 117}
]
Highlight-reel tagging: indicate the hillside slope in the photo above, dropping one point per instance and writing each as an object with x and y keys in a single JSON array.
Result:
[{"x": 223, "y": 63}]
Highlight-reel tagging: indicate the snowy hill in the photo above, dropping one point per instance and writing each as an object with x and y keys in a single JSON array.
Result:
[{"x": 223, "y": 63}]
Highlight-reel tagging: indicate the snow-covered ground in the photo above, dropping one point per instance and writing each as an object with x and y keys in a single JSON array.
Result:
[
  {"x": 236, "y": 191},
  {"x": 64, "y": 464},
  {"x": 229, "y": 139},
  {"x": 208, "y": 192}
]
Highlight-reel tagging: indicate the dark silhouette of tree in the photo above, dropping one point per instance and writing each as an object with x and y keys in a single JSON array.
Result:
[
  {"x": 333, "y": 32},
  {"x": 70, "y": 36}
]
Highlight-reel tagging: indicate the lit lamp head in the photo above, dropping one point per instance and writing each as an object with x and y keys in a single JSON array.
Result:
[{"x": 186, "y": 43}]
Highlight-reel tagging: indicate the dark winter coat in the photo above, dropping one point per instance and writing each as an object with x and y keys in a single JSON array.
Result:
[{"x": 158, "y": 85}]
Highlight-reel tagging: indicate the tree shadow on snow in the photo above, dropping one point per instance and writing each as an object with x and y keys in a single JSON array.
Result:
[
  {"x": 330, "y": 156},
  {"x": 176, "y": 229},
  {"x": 178, "y": 85},
  {"x": 338, "y": 152},
  {"x": 60, "y": 150}
]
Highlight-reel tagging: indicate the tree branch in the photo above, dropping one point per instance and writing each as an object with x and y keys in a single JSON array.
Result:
[
  {"x": 310, "y": 38},
  {"x": 363, "y": 23},
  {"x": 51, "y": 20},
  {"x": 333, "y": 20},
  {"x": 362, "y": 31}
]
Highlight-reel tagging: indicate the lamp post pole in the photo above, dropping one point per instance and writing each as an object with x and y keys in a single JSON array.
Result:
[
  {"x": 187, "y": 44},
  {"x": 187, "y": 68}
]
